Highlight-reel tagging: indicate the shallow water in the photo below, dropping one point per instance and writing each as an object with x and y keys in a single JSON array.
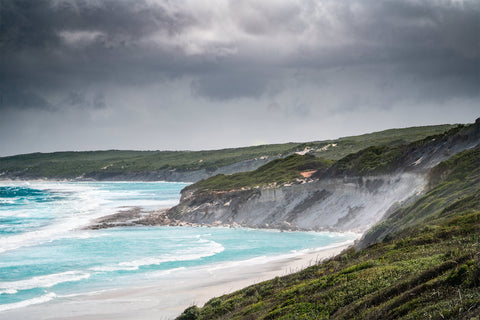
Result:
[{"x": 44, "y": 254}]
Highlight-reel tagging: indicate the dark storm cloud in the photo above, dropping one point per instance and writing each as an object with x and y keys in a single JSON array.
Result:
[
  {"x": 49, "y": 46},
  {"x": 112, "y": 63},
  {"x": 29, "y": 24}
]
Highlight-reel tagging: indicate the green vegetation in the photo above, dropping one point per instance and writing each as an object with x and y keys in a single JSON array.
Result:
[
  {"x": 74, "y": 164},
  {"x": 391, "y": 137},
  {"x": 278, "y": 171},
  {"x": 388, "y": 158},
  {"x": 456, "y": 189},
  {"x": 105, "y": 164},
  {"x": 372, "y": 160},
  {"x": 423, "y": 262}
]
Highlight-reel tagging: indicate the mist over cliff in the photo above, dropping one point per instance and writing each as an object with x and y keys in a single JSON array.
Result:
[{"x": 353, "y": 194}]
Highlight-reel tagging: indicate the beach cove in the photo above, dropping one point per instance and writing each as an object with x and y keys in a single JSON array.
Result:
[{"x": 51, "y": 267}]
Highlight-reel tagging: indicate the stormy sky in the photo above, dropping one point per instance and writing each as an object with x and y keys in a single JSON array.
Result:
[{"x": 197, "y": 74}]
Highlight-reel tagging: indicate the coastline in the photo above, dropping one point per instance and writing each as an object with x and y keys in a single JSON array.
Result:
[{"x": 174, "y": 290}]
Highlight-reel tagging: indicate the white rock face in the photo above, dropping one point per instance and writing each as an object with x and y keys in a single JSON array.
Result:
[
  {"x": 351, "y": 203},
  {"x": 329, "y": 204}
]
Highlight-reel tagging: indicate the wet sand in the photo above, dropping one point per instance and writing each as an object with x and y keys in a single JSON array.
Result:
[{"x": 172, "y": 291}]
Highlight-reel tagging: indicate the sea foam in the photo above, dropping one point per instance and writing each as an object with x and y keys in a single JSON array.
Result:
[
  {"x": 45, "y": 281},
  {"x": 37, "y": 300},
  {"x": 206, "y": 248}
]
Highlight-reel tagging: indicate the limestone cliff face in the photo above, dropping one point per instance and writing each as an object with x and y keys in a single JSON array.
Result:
[
  {"x": 332, "y": 201},
  {"x": 336, "y": 204}
]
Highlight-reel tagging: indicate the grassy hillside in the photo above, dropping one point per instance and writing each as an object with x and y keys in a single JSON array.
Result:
[
  {"x": 109, "y": 163},
  {"x": 389, "y": 158},
  {"x": 427, "y": 265},
  {"x": 277, "y": 171},
  {"x": 73, "y": 164},
  {"x": 372, "y": 160},
  {"x": 337, "y": 149}
]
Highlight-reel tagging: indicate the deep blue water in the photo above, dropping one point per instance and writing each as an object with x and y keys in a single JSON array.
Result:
[{"x": 45, "y": 254}]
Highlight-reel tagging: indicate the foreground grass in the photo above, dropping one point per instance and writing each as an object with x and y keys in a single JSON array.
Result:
[{"x": 426, "y": 265}]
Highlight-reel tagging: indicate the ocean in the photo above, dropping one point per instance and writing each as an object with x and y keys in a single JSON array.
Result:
[{"x": 47, "y": 255}]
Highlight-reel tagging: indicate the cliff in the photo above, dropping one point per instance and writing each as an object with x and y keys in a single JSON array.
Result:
[
  {"x": 326, "y": 204},
  {"x": 353, "y": 194}
]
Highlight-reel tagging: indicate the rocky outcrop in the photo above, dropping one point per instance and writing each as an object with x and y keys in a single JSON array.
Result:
[{"x": 330, "y": 204}]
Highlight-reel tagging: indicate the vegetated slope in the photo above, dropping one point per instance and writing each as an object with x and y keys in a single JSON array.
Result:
[
  {"x": 189, "y": 165},
  {"x": 415, "y": 156},
  {"x": 384, "y": 159},
  {"x": 352, "y": 194},
  {"x": 278, "y": 171},
  {"x": 339, "y": 148},
  {"x": 112, "y": 163},
  {"x": 426, "y": 267}
]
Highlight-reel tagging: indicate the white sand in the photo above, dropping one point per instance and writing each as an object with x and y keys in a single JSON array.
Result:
[{"x": 169, "y": 294}]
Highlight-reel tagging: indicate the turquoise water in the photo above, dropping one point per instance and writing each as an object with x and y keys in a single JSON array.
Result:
[{"x": 45, "y": 254}]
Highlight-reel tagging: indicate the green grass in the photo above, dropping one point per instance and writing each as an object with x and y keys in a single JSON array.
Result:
[
  {"x": 391, "y": 137},
  {"x": 68, "y": 165},
  {"x": 389, "y": 158},
  {"x": 427, "y": 266},
  {"x": 276, "y": 172},
  {"x": 372, "y": 160},
  {"x": 74, "y": 164}
]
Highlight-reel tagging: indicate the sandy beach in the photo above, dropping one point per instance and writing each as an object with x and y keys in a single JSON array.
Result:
[{"x": 171, "y": 292}]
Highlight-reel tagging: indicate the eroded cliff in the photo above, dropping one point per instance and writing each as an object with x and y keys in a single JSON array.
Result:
[{"x": 354, "y": 194}]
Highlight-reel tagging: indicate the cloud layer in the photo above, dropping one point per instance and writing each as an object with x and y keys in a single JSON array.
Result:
[{"x": 91, "y": 74}]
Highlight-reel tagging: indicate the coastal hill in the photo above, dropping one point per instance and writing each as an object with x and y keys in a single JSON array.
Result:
[
  {"x": 413, "y": 193},
  {"x": 310, "y": 193},
  {"x": 418, "y": 204},
  {"x": 191, "y": 166},
  {"x": 421, "y": 262}
]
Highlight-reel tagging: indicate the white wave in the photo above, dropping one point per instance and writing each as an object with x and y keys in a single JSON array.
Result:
[
  {"x": 81, "y": 203},
  {"x": 111, "y": 268},
  {"x": 21, "y": 304},
  {"x": 9, "y": 291},
  {"x": 196, "y": 253},
  {"x": 61, "y": 229},
  {"x": 46, "y": 281},
  {"x": 162, "y": 273},
  {"x": 71, "y": 214},
  {"x": 16, "y": 213},
  {"x": 82, "y": 294},
  {"x": 267, "y": 259},
  {"x": 147, "y": 203},
  {"x": 8, "y": 200},
  {"x": 87, "y": 235}
]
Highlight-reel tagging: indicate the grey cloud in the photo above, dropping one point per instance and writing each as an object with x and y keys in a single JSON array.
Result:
[
  {"x": 84, "y": 100},
  {"x": 106, "y": 60},
  {"x": 38, "y": 24},
  {"x": 267, "y": 17},
  {"x": 236, "y": 83},
  {"x": 426, "y": 39},
  {"x": 21, "y": 98}
]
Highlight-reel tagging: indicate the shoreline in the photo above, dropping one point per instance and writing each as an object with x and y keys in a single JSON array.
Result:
[{"x": 174, "y": 290}]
